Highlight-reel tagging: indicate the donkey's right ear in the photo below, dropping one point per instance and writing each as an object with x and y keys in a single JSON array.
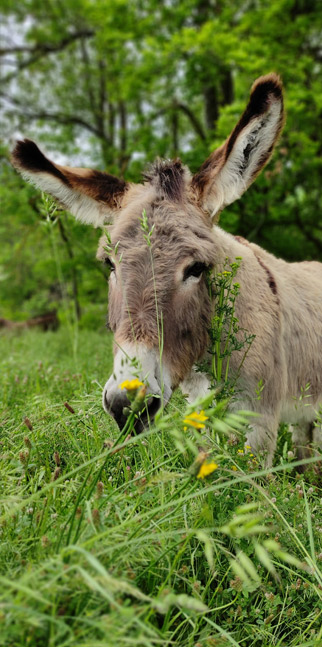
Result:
[
  {"x": 92, "y": 197},
  {"x": 230, "y": 169}
]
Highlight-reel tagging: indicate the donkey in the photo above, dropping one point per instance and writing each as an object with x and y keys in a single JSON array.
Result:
[{"x": 158, "y": 282}]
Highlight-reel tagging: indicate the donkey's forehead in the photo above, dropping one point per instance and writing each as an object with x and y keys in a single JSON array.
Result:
[
  {"x": 176, "y": 228},
  {"x": 168, "y": 206}
]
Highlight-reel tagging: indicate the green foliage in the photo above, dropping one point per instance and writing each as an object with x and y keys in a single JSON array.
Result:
[
  {"x": 226, "y": 335},
  {"x": 43, "y": 249},
  {"x": 107, "y": 544}
]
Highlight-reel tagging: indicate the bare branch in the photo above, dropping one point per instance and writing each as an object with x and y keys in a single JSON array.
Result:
[
  {"x": 193, "y": 119},
  {"x": 48, "y": 47},
  {"x": 178, "y": 105},
  {"x": 53, "y": 116},
  {"x": 87, "y": 77},
  {"x": 41, "y": 49}
]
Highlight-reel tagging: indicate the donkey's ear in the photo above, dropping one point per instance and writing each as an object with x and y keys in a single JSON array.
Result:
[
  {"x": 229, "y": 171},
  {"x": 92, "y": 197}
]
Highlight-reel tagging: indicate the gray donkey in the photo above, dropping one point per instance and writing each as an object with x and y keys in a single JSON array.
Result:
[{"x": 163, "y": 283}]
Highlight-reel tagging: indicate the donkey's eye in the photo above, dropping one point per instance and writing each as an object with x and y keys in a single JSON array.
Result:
[
  {"x": 194, "y": 270},
  {"x": 109, "y": 264}
]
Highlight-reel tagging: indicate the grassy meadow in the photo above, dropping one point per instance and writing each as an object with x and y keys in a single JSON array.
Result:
[
  {"x": 177, "y": 537},
  {"x": 131, "y": 544}
]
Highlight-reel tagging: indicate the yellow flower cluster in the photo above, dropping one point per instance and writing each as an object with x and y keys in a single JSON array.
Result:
[
  {"x": 206, "y": 469},
  {"x": 195, "y": 420},
  {"x": 131, "y": 385}
]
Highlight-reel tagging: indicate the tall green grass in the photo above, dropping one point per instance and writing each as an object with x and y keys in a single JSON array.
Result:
[{"x": 104, "y": 545}]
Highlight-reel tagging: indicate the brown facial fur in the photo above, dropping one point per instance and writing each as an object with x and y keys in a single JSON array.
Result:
[{"x": 147, "y": 279}]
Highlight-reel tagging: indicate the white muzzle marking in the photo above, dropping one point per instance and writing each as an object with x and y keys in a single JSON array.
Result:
[{"x": 137, "y": 361}]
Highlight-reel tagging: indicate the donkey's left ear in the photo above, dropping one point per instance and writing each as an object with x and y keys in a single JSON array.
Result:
[
  {"x": 92, "y": 197},
  {"x": 229, "y": 171}
]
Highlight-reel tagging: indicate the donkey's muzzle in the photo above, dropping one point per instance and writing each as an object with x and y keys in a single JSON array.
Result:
[
  {"x": 119, "y": 407},
  {"x": 136, "y": 361},
  {"x": 148, "y": 413}
]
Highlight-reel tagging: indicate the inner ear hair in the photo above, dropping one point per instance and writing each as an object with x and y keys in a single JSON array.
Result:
[{"x": 230, "y": 170}]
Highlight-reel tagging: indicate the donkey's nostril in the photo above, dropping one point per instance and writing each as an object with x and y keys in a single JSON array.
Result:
[
  {"x": 147, "y": 415},
  {"x": 116, "y": 406},
  {"x": 154, "y": 405}
]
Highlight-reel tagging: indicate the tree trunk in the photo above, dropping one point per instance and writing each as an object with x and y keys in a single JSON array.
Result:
[
  {"x": 211, "y": 106},
  {"x": 175, "y": 134},
  {"x": 123, "y": 157},
  {"x": 74, "y": 273},
  {"x": 227, "y": 88}
]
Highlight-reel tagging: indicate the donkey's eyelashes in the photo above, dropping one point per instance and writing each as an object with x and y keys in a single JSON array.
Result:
[
  {"x": 196, "y": 269},
  {"x": 109, "y": 263}
]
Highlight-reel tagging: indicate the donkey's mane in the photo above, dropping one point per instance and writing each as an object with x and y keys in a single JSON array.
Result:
[{"x": 168, "y": 177}]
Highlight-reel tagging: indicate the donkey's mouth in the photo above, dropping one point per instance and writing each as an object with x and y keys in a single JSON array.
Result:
[{"x": 148, "y": 414}]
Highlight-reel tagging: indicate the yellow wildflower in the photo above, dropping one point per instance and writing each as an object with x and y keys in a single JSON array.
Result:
[
  {"x": 195, "y": 419},
  {"x": 206, "y": 469},
  {"x": 233, "y": 467},
  {"x": 131, "y": 385}
]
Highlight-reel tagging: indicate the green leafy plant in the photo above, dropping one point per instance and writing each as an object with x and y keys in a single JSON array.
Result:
[{"x": 225, "y": 334}]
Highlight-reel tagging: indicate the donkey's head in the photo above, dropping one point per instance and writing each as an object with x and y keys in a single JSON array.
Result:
[{"x": 160, "y": 243}]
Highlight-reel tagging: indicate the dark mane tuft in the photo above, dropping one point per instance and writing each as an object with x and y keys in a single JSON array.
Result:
[{"x": 168, "y": 176}]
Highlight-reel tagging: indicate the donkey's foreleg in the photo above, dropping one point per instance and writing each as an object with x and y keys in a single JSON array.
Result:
[
  {"x": 195, "y": 385},
  {"x": 262, "y": 436},
  {"x": 317, "y": 439},
  {"x": 307, "y": 439}
]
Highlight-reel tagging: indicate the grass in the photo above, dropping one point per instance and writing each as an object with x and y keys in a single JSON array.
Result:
[{"x": 104, "y": 546}]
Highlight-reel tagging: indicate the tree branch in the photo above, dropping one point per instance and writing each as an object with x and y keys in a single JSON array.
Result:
[
  {"x": 178, "y": 105},
  {"x": 47, "y": 47},
  {"x": 65, "y": 119},
  {"x": 309, "y": 234},
  {"x": 193, "y": 119},
  {"x": 42, "y": 49},
  {"x": 87, "y": 77},
  {"x": 53, "y": 116}
]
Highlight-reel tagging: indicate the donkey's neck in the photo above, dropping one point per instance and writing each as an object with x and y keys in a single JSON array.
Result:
[{"x": 229, "y": 247}]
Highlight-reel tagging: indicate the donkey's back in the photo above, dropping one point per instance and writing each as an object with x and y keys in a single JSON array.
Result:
[{"x": 282, "y": 304}]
